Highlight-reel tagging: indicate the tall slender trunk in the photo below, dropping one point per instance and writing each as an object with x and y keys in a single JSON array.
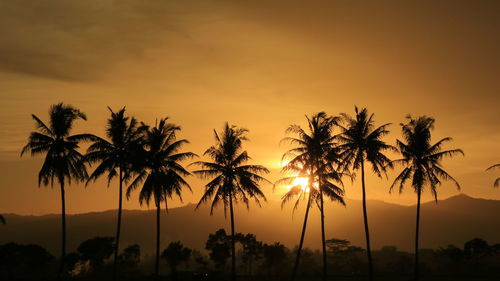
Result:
[
  {"x": 233, "y": 239},
  {"x": 365, "y": 217},
  {"x": 250, "y": 267},
  {"x": 157, "y": 262},
  {"x": 118, "y": 225},
  {"x": 173, "y": 269},
  {"x": 63, "y": 232},
  {"x": 301, "y": 243},
  {"x": 416, "y": 234},
  {"x": 323, "y": 240}
]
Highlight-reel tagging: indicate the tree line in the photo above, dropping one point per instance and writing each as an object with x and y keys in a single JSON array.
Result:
[
  {"x": 151, "y": 159},
  {"x": 256, "y": 260}
]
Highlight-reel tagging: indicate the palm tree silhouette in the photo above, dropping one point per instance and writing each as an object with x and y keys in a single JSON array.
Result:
[
  {"x": 160, "y": 171},
  {"x": 314, "y": 156},
  {"x": 2, "y": 219},
  {"x": 497, "y": 181},
  {"x": 231, "y": 180},
  {"x": 115, "y": 159},
  {"x": 62, "y": 159},
  {"x": 360, "y": 142},
  {"x": 421, "y": 162}
]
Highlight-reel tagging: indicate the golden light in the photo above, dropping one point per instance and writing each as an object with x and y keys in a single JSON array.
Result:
[{"x": 302, "y": 182}]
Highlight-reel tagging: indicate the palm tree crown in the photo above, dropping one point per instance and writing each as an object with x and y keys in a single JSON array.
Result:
[
  {"x": 229, "y": 176},
  {"x": 421, "y": 159},
  {"x": 160, "y": 169},
  {"x": 125, "y": 136},
  {"x": 62, "y": 159},
  {"x": 316, "y": 157},
  {"x": 361, "y": 141}
]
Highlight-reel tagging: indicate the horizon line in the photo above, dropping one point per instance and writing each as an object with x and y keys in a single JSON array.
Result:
[{"x": 461, "y": 194}]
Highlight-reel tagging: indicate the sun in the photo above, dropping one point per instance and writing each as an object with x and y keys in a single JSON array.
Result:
[{"x": 300, "y": 181}]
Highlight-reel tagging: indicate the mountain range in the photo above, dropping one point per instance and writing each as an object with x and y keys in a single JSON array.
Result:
[{"x": 454, "y": 220}]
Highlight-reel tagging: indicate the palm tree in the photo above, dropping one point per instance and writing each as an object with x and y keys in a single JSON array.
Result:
[
  {"x": 160, "y": 171},
  {"x": 230, "y": 179},
  {"x": 2, "y": 219},
  {"x": 314, "y": 156},
  {"x": 62, "y": 161},
  {"x": 360, "y": 142},
  {"x": 115, "y": 159},
  {"x": 421, "y": 162},
  {"x": 497, "y": 181}
]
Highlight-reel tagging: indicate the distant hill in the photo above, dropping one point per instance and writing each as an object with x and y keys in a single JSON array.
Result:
[{"x": 451, "y": 221}]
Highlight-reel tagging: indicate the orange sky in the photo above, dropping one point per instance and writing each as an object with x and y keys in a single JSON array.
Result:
[{"x": 258, "y": 64}]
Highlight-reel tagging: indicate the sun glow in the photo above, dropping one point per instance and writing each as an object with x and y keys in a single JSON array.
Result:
[{"x": 302, "y": 182}]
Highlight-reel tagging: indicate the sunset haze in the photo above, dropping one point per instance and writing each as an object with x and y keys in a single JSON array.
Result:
[{"x": 261, "y": 65}]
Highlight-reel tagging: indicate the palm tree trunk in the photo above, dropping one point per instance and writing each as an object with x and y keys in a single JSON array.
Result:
[
  {"x": 416, "y": 234},
  {"x": 301, "y": 243},
  {"x": 323, "y": 240},
  {"x": 367, "y": 232},
  {"x": 174, "y": 273},
  {"x": 250, "y": 267},
  {"x": 233, "y": 239},
  {"x": 117, "y": 239},
  {"x": 63, "y": 238},
  {"x": 157, "y": 262}
]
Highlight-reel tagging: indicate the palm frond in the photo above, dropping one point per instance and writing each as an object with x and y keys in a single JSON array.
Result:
[
  {"x": 448, "y": 153},
  {"x": 295, "y": 191},
  {"x": 497, "y": 181},
  {"x": 493, "y": 167},
  {"x": 41, "y": 126},
  {"x": 401, "y": 179},
  {"x": 135, "y": 183},
  {"x": 443, "y": 174}
]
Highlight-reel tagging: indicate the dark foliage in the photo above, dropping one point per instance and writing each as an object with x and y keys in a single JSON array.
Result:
[
  {"x": 96, "y": 250},
  {"x": 24, "y": 262},
  {"x": 131, "y": 256},
  {"x": 219, "y": 247},
  {"x": 175, "y": 254}
]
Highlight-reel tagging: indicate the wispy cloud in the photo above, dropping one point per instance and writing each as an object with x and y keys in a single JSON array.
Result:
[{"x": 80, "y": 40}]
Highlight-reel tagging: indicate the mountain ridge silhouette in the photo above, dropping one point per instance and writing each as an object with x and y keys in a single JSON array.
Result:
[{"x": 453, "y": 220}]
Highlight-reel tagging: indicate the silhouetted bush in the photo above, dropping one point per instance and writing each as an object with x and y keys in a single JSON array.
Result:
[
  {"x": 96, "y": 250},
  {"x": 176, "y": 254},
  {"x": 31, "y": 262}
]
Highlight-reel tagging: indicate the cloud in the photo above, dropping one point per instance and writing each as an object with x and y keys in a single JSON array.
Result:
[
  {"x": 80, "y": 40},
  {"x": 85, "y": 40}
]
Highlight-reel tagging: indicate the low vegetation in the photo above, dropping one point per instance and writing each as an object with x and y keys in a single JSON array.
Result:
[{"x": 255, "y": 260}]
